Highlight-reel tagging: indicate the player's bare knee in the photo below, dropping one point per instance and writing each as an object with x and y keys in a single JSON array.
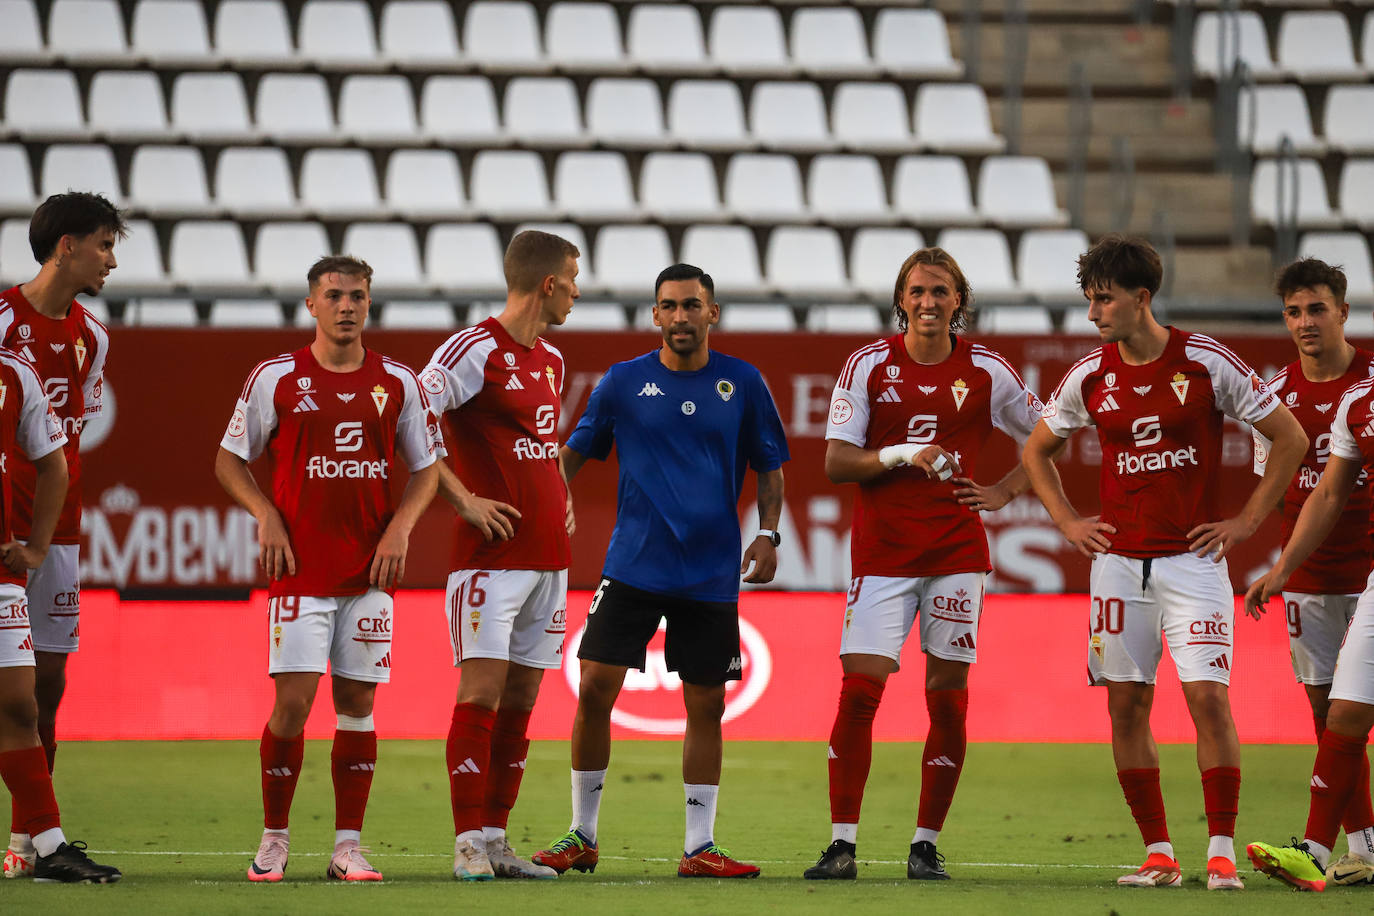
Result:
[
  {"x": 944, "y": 674},
  {"x": 353, "y": 698},
  {"x": 18, "y": 714},
  {"x": 1347, "y": 717},
  {"x": 597, "y": 690},
  {"x": 704, "y": 704}
]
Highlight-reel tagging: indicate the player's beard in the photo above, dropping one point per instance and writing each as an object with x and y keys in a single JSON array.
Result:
[{"x": 683, "y": 347}]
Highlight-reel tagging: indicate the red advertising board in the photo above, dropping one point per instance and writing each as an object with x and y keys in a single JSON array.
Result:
[{"x": 156, "y": 518}]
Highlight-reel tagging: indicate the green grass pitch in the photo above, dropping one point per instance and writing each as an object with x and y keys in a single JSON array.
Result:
[{"x": 1037, "y": 828}]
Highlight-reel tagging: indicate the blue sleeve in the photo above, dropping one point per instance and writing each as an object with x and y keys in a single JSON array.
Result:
[
  {"x": 765, "y": 442},
  {"x": 595, "y": 432}
]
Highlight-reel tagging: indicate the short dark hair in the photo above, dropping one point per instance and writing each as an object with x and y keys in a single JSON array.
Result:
[
  {"x": 77, "y": 213},
  {"x": 1130, "y": 263},
  {"x": 934, "y": 257},
  {"x": 533, "y": 255},
  {"x": 686, "y": 272},
  {"x": 344, "y": 264},
  {"x": 1309, "y": 273}
]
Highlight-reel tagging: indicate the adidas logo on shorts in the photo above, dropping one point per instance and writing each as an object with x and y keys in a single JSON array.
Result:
[
  {"x": 964, "y": 642},
  {"x": 1220, "y": 662},
  {"x": 27, "y": 644},
  {"x": 385, "y": 662}
]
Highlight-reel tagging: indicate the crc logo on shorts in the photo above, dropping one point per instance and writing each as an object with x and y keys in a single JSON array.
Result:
[
  {"x": 558, "y": 623},
  {"x": 14, "y": 615},
  {"x": 374, "y": 629},
  {"x": 958, "y": 606},
  {"x": 348, "y": 436},
  {"x": 840, "y": 411},
  {"x": 651, "y": 700},
  {"x": 57, "y": 390},
  {"x": 921, "y": 428},
  {"x": 432, "y": 380},
  {"x": 1214, "y": 629}
]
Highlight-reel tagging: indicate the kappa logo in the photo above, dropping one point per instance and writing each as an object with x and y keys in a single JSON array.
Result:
[
  {"x": 1220, "y": 662},
  {"x": 515, "y": 384},
  {"x": 1323, "y": 408},
  {"x": 467, "y": 766},
  {"x": 926, "y": 389},
  {"x": 1108, "y": 404},
  {"x": 346, "y": 397},
  {"x": 693, "y": 801},
  {"x": 306, "y": 405},
  {"x": 1142, "y": 390},
  {"x": 890, "y": 396},
  {"x": 651, "y": 390},
  {"x": 385, "y": 662},
  {"x": 941, "y": 761},
  {"x": 736, "y": 664},
  {"x": 964, "y": 642}
]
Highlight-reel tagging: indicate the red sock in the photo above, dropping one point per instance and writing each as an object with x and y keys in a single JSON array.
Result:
[
  {"x": 25, "y": 774},
  {"x": 943, "y": 757},
  {"x": 1146, "y": 801},
  {"x": 281, "y": 767},
  {"x": 1334, "y": 776},
  {"x": 352, "y": 760},
  {"x": 1318, "y": 725},
  {"x": 509, "y": 748},
  {"x": 1221, "y": 799},
  {"x": 851, "y": 745},
  {"x": 469, "y": 756},
  {"x": 1359, "y": 814}
]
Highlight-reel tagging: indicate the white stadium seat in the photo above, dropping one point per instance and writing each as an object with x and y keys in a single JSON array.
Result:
[
  {"x": 847, "y": 190},
  {"x": 756, "y": 317},
  {"x": 831, "y": 41},
  {"x": 933, "y": 189},
  {"x": 339, "y": 182},
  {"x": 140, "y": 260},
  {"x": 846, "y": 318},
  {"x": 87, "y": 31},
  {"x": 503, "y": 35},
  {"x": 460, "y": 110},
  {"x": 417, "y": 315},
  {"x": 586, "y": 276},
  {"x": 875, "y": 255},
  {"x": 730, "y": 255},
  {"x": 169, "y": 180},
  {"x": 1047, "y": 263},
  {"x": 246, "y": 313},
  {"x": 295, "y": 108},
  {"x": 747, "y": 41},
  {"x": 790, "y": 116},
  {"x": 44, "y": 104},
  {"x": 1268, "y": 113},
  {"x": 1349, "y": 118},
  {"x": 465, "y": 257},
  {"x": 627, "y": 258},
  {"x": 283, "y": 252},
  {"x": 16, "y": 257},
  {"x": 165, "y": 313},
  {"x": 625, "y": 113},
  {"x": 84, "y": 166},
  {"x": 954, "y": 117},
  {"x": 983, "y": 254},
  {"x": 679, "y": 187},
  {"x": 1014, "y": 319},
  {"x": 16, "y": 179},
  {"x": 254, "y": 33},
  {"x": 392, "y": 251},
  {"x": 338, "y": 35},
  {"x": 707, "y": 114},
  {"x": 1316, "y": 46},
  {"x": 1351, "y": 252},
  {"x": 543, "y": 111},
  {"x": 127, "y": 105},
  {"x": 913, "y": 43},
  {"x": 764, "y": 187},
  {"x": 594, "y": 186},
  {"x": 172, "y": 33},
  {"x": 425, "y": 184},
  {"x": 806, "y": 261},
  {"x": 1357, "y": 192},
  {"x": 255, "y": 182},
  {"x": 510, "y": 185},
  {"x": 584, "y": 36},
  {"x": 1306, "y": 196},
  {"x": 21, "y": 38},
  {"x": 208, "y": 253},
  {"x": 871, "y": 117},
  {"x": 1218, "y": 44},
  {"x": 666, "y": 37},
  {"x": 377, "y": 109},
  {"x": 1018, "y": 191},
  {"x": 211, "y": 108},
  {"x": 596, "y": 316},
  {"x": 419, "y": 33}
]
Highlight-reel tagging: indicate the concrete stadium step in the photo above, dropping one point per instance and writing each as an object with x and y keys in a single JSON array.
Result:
[
  {"x": 1199, "y": 205},
  {"x": 1165, "y": 132},
  {"x": 1082, "y": 10},
  {"x": 1117, "y": 58}
]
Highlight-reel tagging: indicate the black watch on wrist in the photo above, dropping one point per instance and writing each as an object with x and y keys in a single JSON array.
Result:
[{"x": 772, "y": 536}]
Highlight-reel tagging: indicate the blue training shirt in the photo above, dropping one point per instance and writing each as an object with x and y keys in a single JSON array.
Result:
[{"x": 683, "y": 441}]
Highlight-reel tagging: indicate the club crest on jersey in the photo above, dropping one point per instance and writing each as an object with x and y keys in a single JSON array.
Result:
[
  {"x": 553, "y": 385},
  {"x": 79, "y": 348},
  {"x": 848, "y": 617},
  {"x": 379, "y": 397},
  {"x": 475, "y": 621},
  {"x": 1180, "y": 386},
  {"x": 926, "y": 389},
  {"x": 894, "y": 372},
  {"x": 960, "y": 391},
  {"x": 725, "y": 388},
  {"x": 509, "y": 358},
  {"x": 1097, "y": 647},
  {"x": 276, "y": 639},
  {"x": 1292, "y": 399}
]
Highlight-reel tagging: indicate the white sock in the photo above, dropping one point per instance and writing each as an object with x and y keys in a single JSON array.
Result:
[
  {"x": 701, "y": 816},
  {"x": 493, "y": 835},
  {"x": 1362, "y": 843},
  {"x": 1223, "y": 846},
  {"x": 47, "y": 842},
  {"x": 1162, "y": 848},
  {"x": 587, "y": 788},
  {"x": 354, "y": 723},
  {"x": 343, "y": 836},
  {"x": 925, "y": 835},
  {"x": 847, "y": 832},
  {"x": 1319, "y": 852},
  {"x": 472, "y": 836},
  {"x": 285, "y": 831},
  {"x": 21, "y": 842}
]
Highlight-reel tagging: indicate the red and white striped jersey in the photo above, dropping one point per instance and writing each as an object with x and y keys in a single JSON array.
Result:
[
  {"x": 28, "y": 429},
  {"x": 1341, "y": 564},
  {"x": 1160, "y": 428},
  {"x": 905, "y": 523},
  {"x": 69, "y": 354},
  {"x": 501, "y": 401},
  {"x": 333, "y": 439},
  {"x": 1352, "y": 428}
]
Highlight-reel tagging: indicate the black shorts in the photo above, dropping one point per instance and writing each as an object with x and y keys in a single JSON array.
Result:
[{"x": 702, "y": 643}]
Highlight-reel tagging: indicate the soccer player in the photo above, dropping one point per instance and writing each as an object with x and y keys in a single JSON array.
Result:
[
  {"x": 1320, "y": 595},
  {"x": 1340, "y": 772},
  {"x": 685, "y": 422},
  {"x": 72, "y": 236},
  {"x": 908, "y": 412},
  {"x": 334, "y": 417},
  {"x": 498, "y": 384},
  {"x": 1157, "y": 396}
]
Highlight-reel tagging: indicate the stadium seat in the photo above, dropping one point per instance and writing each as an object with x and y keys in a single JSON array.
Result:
[
  {"x": 127, "y": 105},
  {"x": 765, "y": 187},
  {"x": 790, "y": 116},
  {"x": 984, "y": 256},
  {"x": 544, "y": 111},
  {"x": 707, "y": 114},
  {"x": 678, "y": 187},
  {"x": 96, "y": 307},
  {"x": 1309, "y": 199},
  {"x": 875, "y": 256},
  {"x": 666, "y": 37},
  {"x": 627, "y": 258},
  {"x": 1075, "y": 322},
  {"x": 806, "y": 262},
  {"x": 465, "y": 257},
  {"x": 913, "y": 43},
  {"x": 87, "y": 32},
  {"x": 255, "y": 183},
  {"x": 1351, "y": 252},
  {"x": 16, "y": 257},
  {"x": 510, "y": 185},
  {"x": 164, "y": 313},
  {"x": 44, "y": 105},
  {"x": 757, "y": 317},
  {"x": 830, "y": 42},
  {"x": 425, "y": 184},
  {"x": 338, "y": 35},
  {"x": 392, "y": 251},
  {"x": 339, "y": 183},
  {"x": 847, "y": 190},
  {"x": 140, "y": 260},
  {"x": 954, "y": 117},
  {"x": 1267, "y": 113},
  {"x": 88, "y": 166},
  {"x": 460, "y": 110},
  {"x": 254, "y": 33},
  {"x": 208, "y": 254},
  {"x": 1252, "y": 46},
  {"x": 584, "y": 36},
  {"x": 503, "y": 35},
  {"x": 843, "y": 318},
  {"x": 294, "y": 108},
  {"x": 172, "y": 33},
  {"x": 169, "y": 181},
  {"x": 625, "y": 113},
  {"x": 1047, "y": 263},
  {"x": 594, "y": 186},
  {"x": 1347, "y": 119},
  {"x": 1357, "y": 192},
  {"x": 933, "y": 189},
  {"x": 1367, "y": 41},
  {"x": 377, "y": 110},
  {"x": 283, "y": 252},
  {"x": 871, "y": 117},
  {"x": 417, "y": 315},
  {"x": 21, "y": 39},
  {"x": 730, "y": 255},
  {"x": 1018, "y": 191},
  {"x": 16, "y": 180},
  {"x": 1316, "y": 46},
  {"x": 747, "y": 41},
  {"x": 596, "y": 316},
  {"x": 1014, "y": 319},
  {"x": 211, "y": 108},
  {"x": 419, "y": 34},
  {"x": 246, "y": 313}
]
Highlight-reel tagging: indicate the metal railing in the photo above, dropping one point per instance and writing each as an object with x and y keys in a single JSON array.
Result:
[
  {"x": 1286, "y": 193},
  {"x": 1080, "y": 134},
  {"x": 1014, "y": 74}
]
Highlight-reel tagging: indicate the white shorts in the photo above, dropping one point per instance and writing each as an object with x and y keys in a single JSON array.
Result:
[
  {"x": 16, "y": 639},
  {"x": 1354, "y": 676},
  {"x": 54, "y": 592},
  {"x": 1186, "y": 598},
  {"x": 882, "y": 609},
  {"x": 1316, "y": 626},
  {"x": 518, "y": 615},
  {"x": 350, "y": 635}
]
